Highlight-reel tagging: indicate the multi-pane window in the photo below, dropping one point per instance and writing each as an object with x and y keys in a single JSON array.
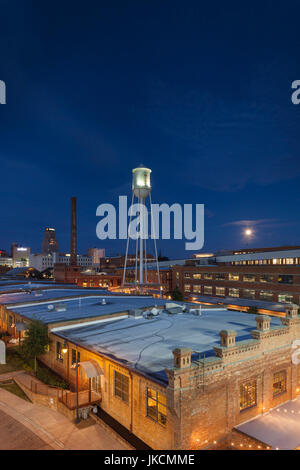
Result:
[
  {"x": 156, "y": 406},
  {"x": 121, "y": 386},
  {"x": 265, "y": 295},
  {"x": 197, "y": 276},
  {"x": 249, "y": 294},
  {"x": 207, "y": 290},
  {"x": 285, "y": 279},
  {"x": 248, "y": 395},
  {"x": 279, "y": 383},
  {"x": 207, "y": 276},
  {"x": 197, "y": 289},
  {"x": 233, "y": 292},
  {"x": 233, "y": 277},
  {"x": 220, "y": 291},
  {"x": 187, "y": 287},
  {"x": 59, "y": 353},
  {"x": 249, "y": 278},
  {"x": 74, "y": 356},
  {"x": 186, "y": 275},
  {"x": 220, "y": 276},
  {"x": 285, "y": 298},
  {"x": 266, "y": 278}
]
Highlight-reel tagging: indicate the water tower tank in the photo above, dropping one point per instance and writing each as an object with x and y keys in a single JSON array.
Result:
[{"x": 141, "y": 184}]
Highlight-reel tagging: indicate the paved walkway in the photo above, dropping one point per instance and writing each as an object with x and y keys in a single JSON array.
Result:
[{"x": 31, "y": 426}]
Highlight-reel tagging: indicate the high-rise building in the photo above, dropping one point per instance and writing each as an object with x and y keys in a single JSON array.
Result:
[
  {"x": 50, "y": 244},
  {"x": 96, "y": 254},
  {"x": 20, "y": 255}
]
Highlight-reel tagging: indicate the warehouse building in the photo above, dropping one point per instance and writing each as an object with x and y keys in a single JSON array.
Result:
[{"x": 177, "y": 377}]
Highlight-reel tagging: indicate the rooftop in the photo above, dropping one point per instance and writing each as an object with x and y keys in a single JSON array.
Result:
[
  {"x": 20, "y": 296},
  {"x": 147, "y": 345},
  {"x": 83, "y": 307},
  {"x": 260, "y": 304}
]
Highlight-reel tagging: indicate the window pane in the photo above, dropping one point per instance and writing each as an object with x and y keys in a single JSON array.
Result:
[
  {"x": 248, "y": 395},
  {"x": 121, "y": 386},
  {"x": 279, "y": 383},
  {"x": 156, "y": 406}
]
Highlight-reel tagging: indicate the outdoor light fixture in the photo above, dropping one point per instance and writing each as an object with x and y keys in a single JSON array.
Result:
[{"x": 65, "y": 348}]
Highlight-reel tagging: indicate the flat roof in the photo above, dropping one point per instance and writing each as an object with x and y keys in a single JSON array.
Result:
[
  {"x": 147, "y": 345},
  {"x": 20, "y": 297},
  {"x": 261, "y": 304},
  {"x": 78, "y": 308},
  {"x": 278, "y": 428}
]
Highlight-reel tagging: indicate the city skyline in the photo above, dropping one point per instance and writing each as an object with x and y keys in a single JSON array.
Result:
[{"x": 203, "y": 99}]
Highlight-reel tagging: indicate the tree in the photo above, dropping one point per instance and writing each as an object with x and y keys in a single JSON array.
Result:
[
  {"x": 35, "y": 342},
  {"x": 252, "y": 310},
  {"x": 176, "y": 294}
]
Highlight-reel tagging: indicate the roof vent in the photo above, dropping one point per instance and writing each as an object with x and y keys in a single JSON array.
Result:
[{"x": 136, "y": 313}]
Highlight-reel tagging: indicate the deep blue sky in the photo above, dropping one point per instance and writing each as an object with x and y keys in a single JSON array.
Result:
[{"x": 198, "y": 91}]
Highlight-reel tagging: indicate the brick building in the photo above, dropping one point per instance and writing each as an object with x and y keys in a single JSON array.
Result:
[
  {"x": 271, "y": 274},
  {"x": 193, "y": 398}
]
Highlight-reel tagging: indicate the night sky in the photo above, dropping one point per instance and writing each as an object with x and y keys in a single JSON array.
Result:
[{"x": 198, "y": 91}]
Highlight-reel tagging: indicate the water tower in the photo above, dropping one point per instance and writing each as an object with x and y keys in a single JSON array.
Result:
[{"x": 141, "y": 189}]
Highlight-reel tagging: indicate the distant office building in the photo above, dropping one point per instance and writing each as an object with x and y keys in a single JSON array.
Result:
[
  {"x": 20, "y": 256},
  {"x": 96, "y": 254},
  {"x": 50, "y": 244},
  {"x": 41, "y": 261},
  {"x": 271, "y": 274}
]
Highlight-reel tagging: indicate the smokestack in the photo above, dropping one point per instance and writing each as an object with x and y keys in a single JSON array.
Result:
[{"x": 73, "y": 260}]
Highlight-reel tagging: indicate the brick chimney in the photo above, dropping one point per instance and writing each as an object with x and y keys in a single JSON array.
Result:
[
  {"x": 228, "y": 338},
  {"x": 263, "y": 322},
  {"x": 182, "y": 358},
  {"x": 291, "y": 311}
]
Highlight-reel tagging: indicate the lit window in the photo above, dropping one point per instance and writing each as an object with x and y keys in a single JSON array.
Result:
[
  {"x": 197, "y": 289},
  {"x": 156, "y": 406},
  {"x": 234, "y": 292},
  {"x": 74, "y": 356},
  {"x": 59, "y": 353},
  {"x": 121, "y": 386},
  {"x": 279, "y": 383},
  {"x": 197, "y": 276},
  {"x": 207, "y": 276},
  {"x": 265, "y": 295},
  {"x": 249, "y": 294},
  {"x": 249, "y": 278},
  {"x": 233, "y": 277},
  {"x": 285, "y": 298},
  {"x": 248, "y": 395},
  {"x": 187, "y": 287},
  {"x": 266, "y": 278},
  {"x": 285, "y": 279},
  {"x": 220, "y": 291},
  {"x": 207, "y": 290}
]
